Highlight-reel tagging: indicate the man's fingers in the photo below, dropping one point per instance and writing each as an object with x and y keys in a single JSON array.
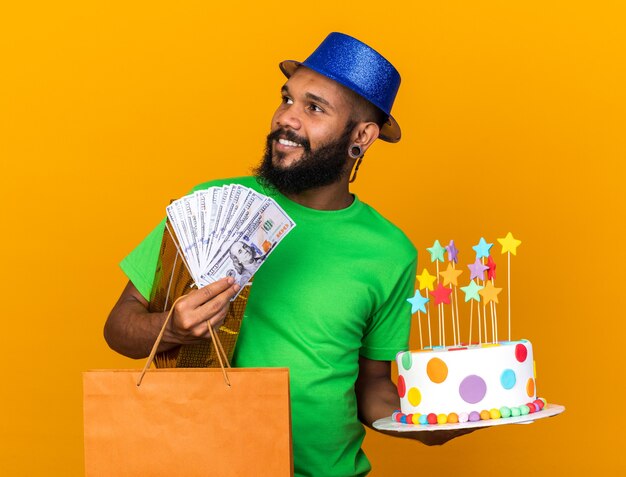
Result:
[
  {"x": 191, "y": 318},
  {"x": 216, "y": 321},
  {"x": 217, "y": 304},
  {"x": 207, "y": 293},
  {"x": 192, "y": 312},
  {"x": 201, "y": 330}
]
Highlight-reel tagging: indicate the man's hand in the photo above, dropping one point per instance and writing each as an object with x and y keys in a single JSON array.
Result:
[
  {"x": 432, "y": 438},
  {"x": 132, "y": 330},
  {"x": 195, "y": 311}
]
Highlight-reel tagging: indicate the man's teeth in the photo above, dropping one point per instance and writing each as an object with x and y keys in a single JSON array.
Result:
[{"x": 285, "y": 142}]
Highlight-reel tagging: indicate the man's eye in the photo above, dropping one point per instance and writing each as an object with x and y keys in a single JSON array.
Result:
[
  {"x": 316, "y": 108},
  {"x": 287, "y": 100}
]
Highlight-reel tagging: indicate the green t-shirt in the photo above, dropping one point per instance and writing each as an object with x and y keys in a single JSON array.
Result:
[{"x": 334, "y": 288}]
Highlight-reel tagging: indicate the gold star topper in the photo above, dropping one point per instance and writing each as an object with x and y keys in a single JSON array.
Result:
[
  {"x": 450, "y": 275},
  {"x": 426, "y": 280},
  {"x": 489, "y": 293},
  {"x": 509, "y": 244}
]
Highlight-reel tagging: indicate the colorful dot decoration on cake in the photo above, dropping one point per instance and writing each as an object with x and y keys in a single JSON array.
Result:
[
  {"x": 472, "y": 389},
  {"x": 437, "y": 370},
  {"x": 406, "y": 361},
  {"x": 501, "y": 367},
  {"x": 432, "y": 419},
  {"x": 414, "y": 396},
  {"x": 508, "y": 379},
  {"x": 401, "y": 387}
]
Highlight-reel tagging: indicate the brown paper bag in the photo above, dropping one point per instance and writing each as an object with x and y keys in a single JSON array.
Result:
[{"x": 187, "y": 422}]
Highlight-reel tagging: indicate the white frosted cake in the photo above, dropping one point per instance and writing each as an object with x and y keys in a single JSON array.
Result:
[{"x": 467, "y": 383}]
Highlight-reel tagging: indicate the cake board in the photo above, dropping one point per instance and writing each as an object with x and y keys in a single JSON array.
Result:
[{"x": 388, "y": 424}]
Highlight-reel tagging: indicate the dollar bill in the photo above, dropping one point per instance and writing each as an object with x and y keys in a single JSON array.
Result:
[
  {"x": 226, "y": 231},
  {"x": 245, "y": 251}
]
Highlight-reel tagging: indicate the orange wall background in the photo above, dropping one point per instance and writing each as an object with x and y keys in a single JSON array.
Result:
[{"x": 513, "y": 116}]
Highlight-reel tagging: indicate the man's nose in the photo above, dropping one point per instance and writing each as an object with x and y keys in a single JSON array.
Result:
[{"x": 288, "y": 118}]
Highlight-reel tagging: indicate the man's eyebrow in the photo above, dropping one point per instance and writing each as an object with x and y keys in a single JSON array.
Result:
[
  {"x": 311, "y": 96},
  {"x": 318, "y": 99}
]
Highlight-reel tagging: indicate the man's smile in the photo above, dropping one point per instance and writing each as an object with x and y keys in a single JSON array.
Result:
[{"x": 288, "y": 143}]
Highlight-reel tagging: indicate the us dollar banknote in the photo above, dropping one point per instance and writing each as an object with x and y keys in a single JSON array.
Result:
[{"x": 226, "y": 231}]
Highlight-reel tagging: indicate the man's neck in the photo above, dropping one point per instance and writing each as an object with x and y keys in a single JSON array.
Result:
[{"x": 331, "y": 197}]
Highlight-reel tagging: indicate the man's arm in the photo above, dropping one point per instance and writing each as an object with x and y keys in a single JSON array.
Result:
[
  {"x": 131, "y": 329},
  {"x": 377, "y": 397}
]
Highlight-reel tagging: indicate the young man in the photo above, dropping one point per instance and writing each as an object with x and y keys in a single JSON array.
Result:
[{"x": 330, "y": 302}]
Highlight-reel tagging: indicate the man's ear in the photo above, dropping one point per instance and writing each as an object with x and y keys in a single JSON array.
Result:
[{"x": 365, "y": 134}]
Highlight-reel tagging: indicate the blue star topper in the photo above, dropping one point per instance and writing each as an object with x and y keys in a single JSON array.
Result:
[
  {"x": 482, "y": 248},
  {"x": 418, "y": 302}
]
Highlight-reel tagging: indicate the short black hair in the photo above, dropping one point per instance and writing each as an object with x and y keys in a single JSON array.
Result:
[{"x": 363, "y": 110}]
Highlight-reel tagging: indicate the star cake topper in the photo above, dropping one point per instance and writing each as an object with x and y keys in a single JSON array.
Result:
[
  {"x": 417, "y": 302},
  {"x": 482, "y": 248},
  {"x": 509, "y": 244},
  {"x": 471, "y": 291},
  {"x": 441, "y": 294},
  {"x": 426, "y": 280},
  {"x": 450, "y": 275},
  {"x": 477, "y": 270},
  {"x": 491, "y": 271},
  {"x": 489, "y": 293},
  {"x": 436, "y": 252},
  {"x": 453, "y": 252}
]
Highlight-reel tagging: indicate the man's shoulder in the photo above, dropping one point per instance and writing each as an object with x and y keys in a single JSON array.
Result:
[
  {"x": 247, "y": 181},
  {"x": 389, "y": 232}
]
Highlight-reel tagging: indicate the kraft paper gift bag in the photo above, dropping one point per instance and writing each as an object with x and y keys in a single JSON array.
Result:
[{"x": 187, "y": 422}]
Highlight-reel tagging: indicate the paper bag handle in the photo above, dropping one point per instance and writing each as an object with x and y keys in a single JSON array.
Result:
[{"x": 219, "y": 349}]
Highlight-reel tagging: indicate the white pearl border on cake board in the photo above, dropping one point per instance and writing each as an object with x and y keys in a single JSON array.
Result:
[{"x": 388, "y": 424}]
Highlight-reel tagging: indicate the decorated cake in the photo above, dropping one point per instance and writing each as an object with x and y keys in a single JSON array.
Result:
[
  {"x": 467, "y": 383},
  {"x": 458, "y": 381}
]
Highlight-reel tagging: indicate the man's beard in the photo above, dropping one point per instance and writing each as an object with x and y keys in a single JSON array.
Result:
[{"x": 324, "y": 166}]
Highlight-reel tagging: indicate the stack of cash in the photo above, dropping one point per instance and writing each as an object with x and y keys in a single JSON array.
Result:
[{"x": 226, "y": 231}]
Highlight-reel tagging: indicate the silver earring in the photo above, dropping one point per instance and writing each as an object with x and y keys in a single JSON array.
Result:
[{"x": 355, "y": 151}]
